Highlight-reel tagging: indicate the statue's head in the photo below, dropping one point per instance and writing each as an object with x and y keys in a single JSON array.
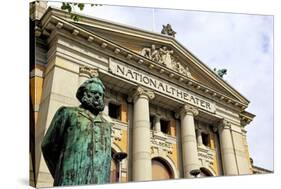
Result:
[{"x": 91, "y": 95}]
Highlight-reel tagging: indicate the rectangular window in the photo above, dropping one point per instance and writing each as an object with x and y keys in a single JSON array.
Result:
[
  {"x": 114, "y": 111},
  {"x": 151, "y": 118},
  {"x": 205, "y": 139},
  {"x": 165, "y": 126}
]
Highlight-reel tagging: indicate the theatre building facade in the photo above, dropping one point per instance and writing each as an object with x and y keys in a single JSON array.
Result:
[{"x": 172, "y": 116}]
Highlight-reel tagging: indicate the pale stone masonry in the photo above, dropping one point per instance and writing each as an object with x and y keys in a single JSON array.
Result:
[
  {"x": 141, "y": 135},
  {"x": 189, "y": 144}
]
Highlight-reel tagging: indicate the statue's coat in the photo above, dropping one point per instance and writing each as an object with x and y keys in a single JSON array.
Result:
[{"x": 77, "y": 147}]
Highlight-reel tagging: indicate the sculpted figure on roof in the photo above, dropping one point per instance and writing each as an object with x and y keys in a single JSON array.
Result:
[
  {"x": 168, "y": 30},
  {"x": 165, "y": 56}
]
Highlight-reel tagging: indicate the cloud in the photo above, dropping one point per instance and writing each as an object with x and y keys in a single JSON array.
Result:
[{"x": 243, "y": 45}]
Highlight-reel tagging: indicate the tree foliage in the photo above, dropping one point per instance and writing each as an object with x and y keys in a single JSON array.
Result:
[{"x": 70, "y": 7}]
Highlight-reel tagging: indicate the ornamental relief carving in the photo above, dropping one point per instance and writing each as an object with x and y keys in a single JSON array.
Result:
[
  {"x": 89, "y": 72},
  {"x": 206, "y": 157},
  {"x": 116, "y": 134},
  {"x": 165, "y": 56},
  {"x": 160, "y": 145}
]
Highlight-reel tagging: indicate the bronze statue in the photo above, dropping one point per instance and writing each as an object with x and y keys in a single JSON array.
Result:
[
  {"x": 168, "y": 30},
  {"x": 220, "y": 72},
  {"x": 77, "y": 145}
]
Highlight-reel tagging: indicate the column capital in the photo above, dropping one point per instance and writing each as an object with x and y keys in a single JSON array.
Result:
[
  {"x": 141, "y": 91},
  {"x": 225, "y": 124},
  {"x": 157, "y": 116},
  {"x": 189, "y": 110},
  {"x": 88, "y": 72}
]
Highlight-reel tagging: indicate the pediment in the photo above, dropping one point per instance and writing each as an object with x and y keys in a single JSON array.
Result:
[{"x": 161, "y": 49}]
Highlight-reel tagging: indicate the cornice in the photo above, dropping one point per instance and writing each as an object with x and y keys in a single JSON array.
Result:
[
  {"x": 246, "y": 118},
  {"x": 51, "y": 22}
]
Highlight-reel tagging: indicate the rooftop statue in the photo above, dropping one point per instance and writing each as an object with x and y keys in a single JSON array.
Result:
[
  {"x": 168, "y": 30},
  {"x": 77, "y": 145},
  {"x": 220, "y": 72}
]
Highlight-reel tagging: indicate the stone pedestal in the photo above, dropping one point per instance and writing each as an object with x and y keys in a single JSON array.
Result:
[
  {"x": 142, "y": 170},
  {"x": 227, "y": 149},
  {"x": 189, "y": 145}
]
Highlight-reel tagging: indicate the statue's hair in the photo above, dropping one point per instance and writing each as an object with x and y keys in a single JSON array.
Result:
[{"x": 84, "y": 87}]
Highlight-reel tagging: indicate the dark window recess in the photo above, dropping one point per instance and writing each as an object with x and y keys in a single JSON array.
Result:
[
  {"x": 151, "y": 118},
  {"x": 114, "y": 111},
  {"x": 165, "y": 126},
  {"x": 205, "y": 139}
]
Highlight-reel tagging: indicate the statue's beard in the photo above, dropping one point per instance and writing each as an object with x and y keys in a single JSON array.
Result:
[{"x": 93, "y": 105}]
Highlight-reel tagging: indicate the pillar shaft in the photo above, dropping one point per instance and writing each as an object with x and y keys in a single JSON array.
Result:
[
  {"x": 227, "y": 150},
  {"x": 199, "y": 137},
  {"x": 189, "y": 145},
  {"x": 142, "y": 168},
  {"x": 157, "y": 124}
]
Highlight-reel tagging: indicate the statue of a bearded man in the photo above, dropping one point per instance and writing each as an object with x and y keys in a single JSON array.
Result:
[{"x": 77, "y": 145}]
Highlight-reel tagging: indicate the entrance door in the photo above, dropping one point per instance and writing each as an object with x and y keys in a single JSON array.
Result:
[
  {"x": 160, "y": 170},
  {"x": 114, "y": 171}
]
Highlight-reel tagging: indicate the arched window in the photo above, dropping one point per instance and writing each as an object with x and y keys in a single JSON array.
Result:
[{"x": 160, "y": 170}]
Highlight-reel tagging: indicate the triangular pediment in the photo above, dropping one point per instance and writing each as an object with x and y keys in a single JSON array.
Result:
[{"x": 159, "y": 48}]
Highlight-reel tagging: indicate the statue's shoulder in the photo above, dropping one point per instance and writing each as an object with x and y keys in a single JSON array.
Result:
[
  {"x": 68, "y": 110},
  {"x": 105, "y": 118}
]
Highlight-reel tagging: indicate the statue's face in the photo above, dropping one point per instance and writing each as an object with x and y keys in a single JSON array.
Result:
[{"x": 93, "y": 98}]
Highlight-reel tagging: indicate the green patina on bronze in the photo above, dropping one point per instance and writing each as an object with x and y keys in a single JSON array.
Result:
[
  {"x": 77, "y": 145},
  {"x": 220, "y": 72}
]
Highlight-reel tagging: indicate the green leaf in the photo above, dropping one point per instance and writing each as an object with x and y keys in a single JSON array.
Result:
[
  {"x": 69, "y": 8},
  {"x": 81, "y": 6}
]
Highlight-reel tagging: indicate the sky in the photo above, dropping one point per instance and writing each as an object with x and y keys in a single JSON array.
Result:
[{"x": 241, "y": 43}]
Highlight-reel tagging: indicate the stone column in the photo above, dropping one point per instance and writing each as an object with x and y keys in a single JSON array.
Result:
[
  {"x": 199, "y": 137},
  {"x": 141, "y": 135},
  {"x": 227, "y": 149},
  {"x": 156, "y": 123},
  {"x": 106, "y": 109},
  {"x": 189, "y": 145}
]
